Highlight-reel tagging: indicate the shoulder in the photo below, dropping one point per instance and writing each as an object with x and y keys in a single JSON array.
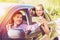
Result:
[{"x": 23, "y": 25}]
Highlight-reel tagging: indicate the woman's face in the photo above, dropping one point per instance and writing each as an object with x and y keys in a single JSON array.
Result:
[
  {"x": 39, "y": 10},
  {"x": 17, "y": 19}
]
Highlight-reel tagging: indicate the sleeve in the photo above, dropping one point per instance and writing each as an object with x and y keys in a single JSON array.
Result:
[{"x": 32, "y": 27}]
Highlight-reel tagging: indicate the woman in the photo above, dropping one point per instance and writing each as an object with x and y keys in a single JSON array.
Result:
[{"x": 42, "y": 20}]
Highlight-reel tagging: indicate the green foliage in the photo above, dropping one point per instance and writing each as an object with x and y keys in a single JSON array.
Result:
[
  {"x": 47, "y": 3},
  {"x": 54, "y": 12}
]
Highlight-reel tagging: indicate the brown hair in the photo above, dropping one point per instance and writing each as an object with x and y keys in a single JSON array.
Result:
[
  {"x": 46, "y": 16},
  {"x": 41, "y": 6},
  {"x": 11, "y": 20},
  {"x": 42, "y": 9}
]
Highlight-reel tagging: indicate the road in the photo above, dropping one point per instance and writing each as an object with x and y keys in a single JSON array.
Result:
[{"x": 58, "y": 27}]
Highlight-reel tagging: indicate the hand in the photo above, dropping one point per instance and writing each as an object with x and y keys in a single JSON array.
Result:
[
  {"x": 42, "y": 20},
  {"x": 45, "y": 28},
  {"x": 8, "y": 27}
]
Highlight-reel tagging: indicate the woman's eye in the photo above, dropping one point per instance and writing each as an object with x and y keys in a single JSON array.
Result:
[
  {"x": 39, "y": 10},
  {"x": 17, "y": 17}
]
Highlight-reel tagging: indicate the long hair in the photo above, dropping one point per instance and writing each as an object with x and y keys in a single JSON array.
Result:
[
  {"x": 40, "y": 5},
  {"x": 45, "y": 15}
]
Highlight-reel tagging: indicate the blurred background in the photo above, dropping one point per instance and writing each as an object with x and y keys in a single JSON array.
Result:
[{"x": 52, "y": 6}]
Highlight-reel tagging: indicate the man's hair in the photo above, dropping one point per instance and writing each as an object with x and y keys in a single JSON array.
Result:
[{"x": 17, "y": 12}]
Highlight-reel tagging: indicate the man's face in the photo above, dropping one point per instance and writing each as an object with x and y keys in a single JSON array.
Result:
[
  {"x": 17, "y": 19},
  {"x": 39, "y": 11}
]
